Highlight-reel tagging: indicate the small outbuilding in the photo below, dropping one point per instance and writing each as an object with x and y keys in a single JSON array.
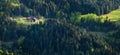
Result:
[{"x": 32, "y": 19}]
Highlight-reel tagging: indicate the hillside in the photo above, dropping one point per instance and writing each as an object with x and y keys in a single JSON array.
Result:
[
  {"x": 113, "y": 15},
  {"x": 59, "y": 8},
  {"x": 59, "y": 27},
  {"x": 23, "y": 20}
]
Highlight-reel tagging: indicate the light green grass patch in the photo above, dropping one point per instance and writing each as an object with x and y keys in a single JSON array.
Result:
[
  {"x": 15, "y": 4},
  {"x": 87, "y": 17},
  {"x": 113, "y": 16},
  {"x": 22, "y": 20}
]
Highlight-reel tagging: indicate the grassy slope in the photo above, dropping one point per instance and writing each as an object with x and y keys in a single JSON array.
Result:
[
  {"x": 113, "y": 16},
  {"x": 22, "y": 20}
]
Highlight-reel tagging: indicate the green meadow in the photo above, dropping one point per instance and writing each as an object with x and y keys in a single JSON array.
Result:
[{"x": 113, "y": 15}]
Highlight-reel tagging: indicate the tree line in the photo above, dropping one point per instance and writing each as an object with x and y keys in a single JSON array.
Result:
[
  {"x": 60, "y": 8},
  {"x": 86, "y": 36}
]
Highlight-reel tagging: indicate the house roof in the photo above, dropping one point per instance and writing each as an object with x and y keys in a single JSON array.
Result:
[{"x": 32, "y": 19}]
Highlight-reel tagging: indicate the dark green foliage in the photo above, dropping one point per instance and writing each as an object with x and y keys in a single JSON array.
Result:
[
  {"x": 51, "y": 8},
  {"x": 62, "y": 38},
  {"x": 78, "y": 35}
]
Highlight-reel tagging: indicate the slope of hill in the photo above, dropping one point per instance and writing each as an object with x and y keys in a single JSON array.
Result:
[
  {"x": 23, "y": 20},
  {"x": 62, "y": 38},
  {"x": 68, "y": 30},
  {"x": 59, "y": 9},
  {"x": 113, "y": 15}
]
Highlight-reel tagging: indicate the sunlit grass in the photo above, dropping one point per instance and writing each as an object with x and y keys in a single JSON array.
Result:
[
  {"x": 22, "y": 20},
  {"x": 90, "y": 17},
  {"x": 113, "y": 16},
  {"x": 15, "y": 4}
]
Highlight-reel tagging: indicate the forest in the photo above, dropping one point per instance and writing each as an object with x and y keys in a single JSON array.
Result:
[{"x": 59, "y": 27}]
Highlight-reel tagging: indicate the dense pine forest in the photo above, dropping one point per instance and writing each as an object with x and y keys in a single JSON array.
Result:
[{"x": 59, "y": 27}]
